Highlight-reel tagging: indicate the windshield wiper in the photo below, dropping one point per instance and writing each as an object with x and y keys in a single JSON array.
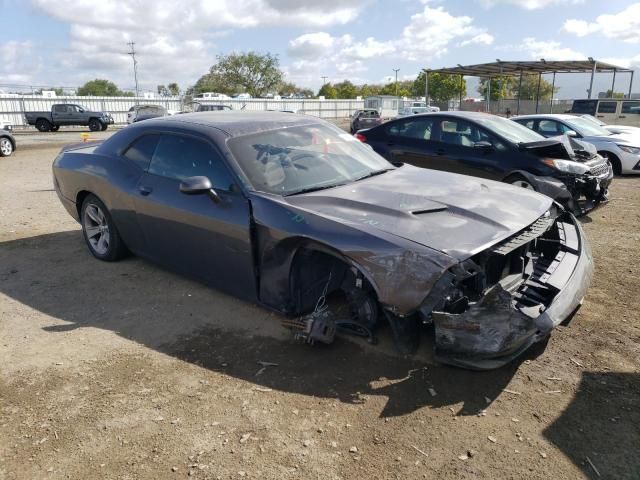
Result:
[
  {"x": 374, "y": 173},
  {"x": 314, "y": 189}
]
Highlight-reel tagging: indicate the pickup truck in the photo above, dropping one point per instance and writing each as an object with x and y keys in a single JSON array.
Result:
[{"x": 68, "y": 114}]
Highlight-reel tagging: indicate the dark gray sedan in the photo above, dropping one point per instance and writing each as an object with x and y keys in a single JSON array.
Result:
[{"x": 290, "y": 212}]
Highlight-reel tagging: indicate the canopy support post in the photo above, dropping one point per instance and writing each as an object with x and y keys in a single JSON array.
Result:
[
  {"x": 630, "y": 85},
  {"x": 519, "y": 92},
  {"x": 593, "y": 73},
  {"x": 538, "y": 92},
  {"x": 553, "y": 89},
  {"x": 613, "y": 84},
  {"x": 461, "y": 89}
]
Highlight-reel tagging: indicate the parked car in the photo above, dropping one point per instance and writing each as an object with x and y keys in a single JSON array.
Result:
[
  {"x": 405, "y": 112},
  {"x": 364, "y": 119},
  {"x": 635, "y": 131},
  {"x": 7, "y": 141},
  {"x": 622, "y": 150},
  {"x": 493, "y": 147},
  {"x": 138, "y": 113},
  {"x": 64, "y": 114},
  {"x": 610, "y": 110},
  {"x": 200, "y": 107},
  {"x": 290, "y": 212}
]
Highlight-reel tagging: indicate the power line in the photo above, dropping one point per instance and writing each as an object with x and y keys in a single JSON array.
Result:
[{"x": 135, "y": 64}]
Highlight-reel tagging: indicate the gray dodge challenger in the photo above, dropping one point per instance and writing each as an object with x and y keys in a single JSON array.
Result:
[{"x": 292, "y": 213}]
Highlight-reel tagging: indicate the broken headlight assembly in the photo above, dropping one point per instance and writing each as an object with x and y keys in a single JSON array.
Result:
[{"x": 566, "y": 166}]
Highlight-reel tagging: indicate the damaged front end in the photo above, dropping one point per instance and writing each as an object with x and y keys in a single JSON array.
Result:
[{"x": 490, "y": 308}]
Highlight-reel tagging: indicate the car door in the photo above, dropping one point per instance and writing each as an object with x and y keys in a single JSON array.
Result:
[
  {"x": 194, "y": 234},
  {"x": 60, "y": 114},
  {"x": 464, "y": 147},
  {"x": 629, "y": 113},
  {"x": 607, "y": 110},
  {"x": 407, "y": 140}
]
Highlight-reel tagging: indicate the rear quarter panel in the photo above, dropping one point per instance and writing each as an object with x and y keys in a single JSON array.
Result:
[{"x": 111, "y": 178}]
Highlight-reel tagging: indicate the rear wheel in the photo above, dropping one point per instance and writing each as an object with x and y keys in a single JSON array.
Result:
[
  {"x": 55, "y": 128},
  {"x": 43, "y": 125},
  {"x": 95, "y": 125},
  {"x": 614, "y": 161},
  {"x": 100, "y": 231},
  {"x": 6, "y": 147},
  {"x": 520, "y": 181}
]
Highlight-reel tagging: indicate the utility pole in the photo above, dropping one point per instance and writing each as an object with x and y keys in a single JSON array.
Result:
[
  {"x": 135, "y": 65},
  {"x": 396, "y": 70},
  {"x": 324, "y": 80}
]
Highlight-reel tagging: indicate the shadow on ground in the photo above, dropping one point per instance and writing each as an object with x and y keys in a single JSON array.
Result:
[
  {"x": 602, "y": 425},
  {"x": 56, "y": 275}
]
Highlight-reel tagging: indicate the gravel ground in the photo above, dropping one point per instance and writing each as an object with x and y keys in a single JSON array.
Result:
[{"x": 128, "y": 371}]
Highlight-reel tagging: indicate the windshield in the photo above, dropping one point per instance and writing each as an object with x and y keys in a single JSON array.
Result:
[
  {"x": 303, "y": 158},
  {"x": 595, "y": 120},
  {"x": 586, "y": 127},
  {"x": 512, "y": 131}
]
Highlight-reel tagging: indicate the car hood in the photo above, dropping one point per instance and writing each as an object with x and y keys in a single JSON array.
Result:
[
  {"x": 456, "y": 214},
  {"x": 623, "y": 138},
  {"x": 562, "y": 146}
]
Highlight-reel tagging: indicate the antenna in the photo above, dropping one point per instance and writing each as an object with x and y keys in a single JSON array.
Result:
[{"x": 135, "y": 65}]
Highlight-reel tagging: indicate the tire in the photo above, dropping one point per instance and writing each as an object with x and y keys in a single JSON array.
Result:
[
  {"x": 614, "y": 161},
  {"x": 104, "y": 126},
  {"x": 6, "y": 147},
  {"x": 95, "y": 125},
  {"x": 43, "y": 125},
  {"x": 55, "y": 128},
  {"x": 519, "y": 181},
  {"x": 100, "y": 231}
]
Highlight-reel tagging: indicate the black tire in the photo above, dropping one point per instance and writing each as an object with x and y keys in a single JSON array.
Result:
[
  {"x": 43, "y": 125},
  {"x": 96, "y": 221},
  {"x": 55, "y": 128},
  {"x": 614, "y": 161},
  {"x": 6, "y": 147},
  {"x": 104, "y": 126},
  {"x": 95, "y": 125},
  {"x": 519, "y": 181}
]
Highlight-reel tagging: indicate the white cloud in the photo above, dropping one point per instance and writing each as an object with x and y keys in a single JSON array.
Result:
[
  {"x": 17, "y": 63},
  {"x": 529, "y": 4},
  {"x": 624, "y": 25},
  {"x": 173, "y": 39},
  {"x": 550, "y": 50},
  {"x": 482, "y": 39},
  {"x": 626, "y": 62}
]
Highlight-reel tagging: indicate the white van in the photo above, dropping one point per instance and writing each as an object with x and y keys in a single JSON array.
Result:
[{"x": 610, "y": 110}]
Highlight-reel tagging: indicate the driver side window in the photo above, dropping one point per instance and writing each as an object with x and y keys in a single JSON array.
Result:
[{"x": 180, "y": 157}]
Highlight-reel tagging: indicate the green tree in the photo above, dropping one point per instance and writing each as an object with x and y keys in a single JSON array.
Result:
[
  {"x": 162, "y": 91},
  {"x": 174, "y": 89},
  {"x": 287, "y": 89},
  {"x": 369, "y": 90},
  {"x": 251, "y": 72},
  {"x": 501, "y": 87},
  {"x": 59, "y": 91},
  {"x": 346, "y": 89},
  {"x": 508, "y": 87},
  {"x": 612, "y": 94},
  {"x": 100, "y": 88},
  {"x": 442, "y": 87},
  {"x": 328, "y": 91}
]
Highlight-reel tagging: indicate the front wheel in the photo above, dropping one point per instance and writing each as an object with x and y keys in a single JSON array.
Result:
[
  {"x": 614, "y": 161},
  {"x": 100, "y": 231},
  {"x": 104, "y": 127},
  {"x": 95, "y": 125},
  {"x": 519, "y": 181},
  {"x": 55, "y": 128},
  {"x": 6, "y": 147}
]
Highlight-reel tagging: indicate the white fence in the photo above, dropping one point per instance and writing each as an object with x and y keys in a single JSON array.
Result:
[{"x": 13, "y": 107}]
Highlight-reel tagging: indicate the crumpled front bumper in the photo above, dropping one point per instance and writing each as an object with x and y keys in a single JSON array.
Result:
[{"x": 493, "y": 331}]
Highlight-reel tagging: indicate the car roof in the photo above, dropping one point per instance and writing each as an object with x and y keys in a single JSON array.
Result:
[
  {"x": 236, "y": 123},
  {"x": 454, "y": 113},
  {"x": 559, "y": 116}
]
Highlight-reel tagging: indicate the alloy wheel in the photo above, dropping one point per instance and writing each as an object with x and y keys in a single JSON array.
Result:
[
  {"x": 6, "y": 148},
  {"x": 96, "y": 228}
]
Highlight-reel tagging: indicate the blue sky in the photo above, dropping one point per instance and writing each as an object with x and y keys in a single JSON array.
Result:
[{"x": 68, "y": 42}]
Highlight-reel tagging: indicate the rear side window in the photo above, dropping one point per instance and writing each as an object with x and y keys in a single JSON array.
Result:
[
  {"x": 60, "y": 108},
  {"x": 584, "y": 106},
  {"x": 141, "y": 151},
  {"x": 418, "y": 128},
  {"x": 607, "y": 107},
  {"x": 631, "y": 107},
  {"x": 181, "y": 157}
]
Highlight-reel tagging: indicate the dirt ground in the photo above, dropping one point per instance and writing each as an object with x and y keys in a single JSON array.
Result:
[{"x": 127, "y": 371}]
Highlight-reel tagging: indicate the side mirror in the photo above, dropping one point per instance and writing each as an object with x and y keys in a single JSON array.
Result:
[
  {"x": 81, "y": 110},
  {"x": 198, "y": 185},
  {"x": 483, "y": 145},
  {"x": 571, "y": 133}
]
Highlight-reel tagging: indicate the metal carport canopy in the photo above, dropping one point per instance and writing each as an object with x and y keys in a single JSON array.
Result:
[{"x": 518, "y": 68}]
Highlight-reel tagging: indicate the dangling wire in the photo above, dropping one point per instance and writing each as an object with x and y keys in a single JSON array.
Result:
[{"x": 321, "y": 304}]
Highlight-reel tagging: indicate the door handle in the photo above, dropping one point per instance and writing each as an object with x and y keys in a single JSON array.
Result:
[
  {"x": 622, "y": 116},
  {"x": 144, "y": 190},
  {"x": 600, "y": 116}
]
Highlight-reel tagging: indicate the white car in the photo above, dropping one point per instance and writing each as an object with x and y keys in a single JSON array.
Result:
[
  {"x": 405, "y": 112},
  {"x": 614, "y": 128},
  {"x": 622, "y": 149}
]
